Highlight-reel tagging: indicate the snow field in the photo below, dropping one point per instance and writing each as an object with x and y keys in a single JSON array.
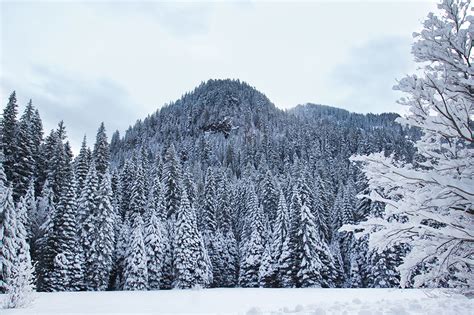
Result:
[{"x": 252, "y": 302}]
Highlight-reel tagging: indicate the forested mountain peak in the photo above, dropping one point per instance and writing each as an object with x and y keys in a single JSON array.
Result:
[{"x": 220, "y": 114}]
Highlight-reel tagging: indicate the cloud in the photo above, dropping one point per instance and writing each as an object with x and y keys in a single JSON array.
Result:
[
  {"x": 365, "y": 80},
  {"x": 179, "y": 18}
]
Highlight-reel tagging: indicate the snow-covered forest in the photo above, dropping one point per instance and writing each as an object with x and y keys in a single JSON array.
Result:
[{"x": 223, "y": 189}]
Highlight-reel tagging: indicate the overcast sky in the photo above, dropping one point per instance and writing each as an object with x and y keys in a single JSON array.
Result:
[{"x": 87, "y": 62}]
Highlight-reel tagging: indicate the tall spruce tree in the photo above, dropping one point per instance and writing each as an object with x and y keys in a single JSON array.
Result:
[
  {"x": 155, "y": 247},
  {"x": 101, "y": 152},
  {"x": 45, "y": 243},
  {"x": 103, "y": 238},
  {"x": 253, "y": 247},
  {"x": 9, "y": 127},
  {"x": 135, "y": 270},
  {"x": 7, "y": 211},
  {"x": 191, "y": 262},
  {"x": 172, "y": 182},
  {"x": 81, "y": 165},
  {"x": 19, "y": 276}
]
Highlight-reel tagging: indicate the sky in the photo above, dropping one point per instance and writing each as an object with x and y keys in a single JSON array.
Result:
[{"x": 85, "y": 62}]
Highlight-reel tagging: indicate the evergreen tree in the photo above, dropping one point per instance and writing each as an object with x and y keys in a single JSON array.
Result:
[
  {"x": 135, "y": 271},
  {"x": 280, "y": 230},
  {"x": 25, "y": 163},
  {"x": 102, "y": 231},
  {"x": 19, "y": 275},
  {"x": 172, "y": 182},
  {"x": 101, "y": 152},
  {"x": 69, "y": 261},
  {"x": 87, "y": 217},
  {"x": 191, "y": 263},
  {"x": 268, "y": 270},
  {"x": 209, "y": 211},
  {"x": 9, "y": 128},
  {"x": 45, "y": 244},
  {"x": 155, "y": 249},
  {"x": 252, "y": 250},
  {"x": 7, "y": 237},
  {"x": 82, "y": 164},
  {"x": 269, "y": 196},
  {"x": 138, "y": 199}
]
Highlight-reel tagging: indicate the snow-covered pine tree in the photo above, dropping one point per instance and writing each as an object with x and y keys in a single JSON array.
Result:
[
  {"x": 69, "y": 266},
  {"x": 429, "y": 204},
  {"x": 9, "y": 126},
  {"x": 138, "y": 200},
  {"x": 19, "y": 277},
  {"x": 209, "y": 210},
  {"x": 191, "y": 263},
  {"x": 286, "y": 262},
  {"x": 101, "y": 153},
  {"x": 269, "y": 196},
  {"x": 36, "y": 126},
  {"x": 102, "y": 231},
  {"x": 25, "y": 163},
  {"x": 120, "y": 256},
  {"x": 155, "y": 249},
  {"x": 135, "y": 270},
  {"x": 280, "y": 231},
  {"x": 309, "y": 265},
  {"x": 81, "y": 165},
  {"x": 31, "y": 219},
  {"x": 268, "y": 272},
  {"x": 7, "y": 210},
  {"x": 226, "y": 236},
  {"x": 253, "y": 244},
  {"x": 87, "y": 217},
  {"x": 172, "y": 182},
  {"x": 45, "y": 245}
]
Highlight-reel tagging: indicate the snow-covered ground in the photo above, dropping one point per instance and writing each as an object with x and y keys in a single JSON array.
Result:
[{"x": 252, "y": 301}]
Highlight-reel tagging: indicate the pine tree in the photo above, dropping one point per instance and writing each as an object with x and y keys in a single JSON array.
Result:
[
  {"x": 138, "y": 199},
  {"x": 19, "y": 277},
  {"x": 102, "y": 231},
  {"x": 228, "y": 244},
  {"x": 268, "y": 270},
  {"x": 135, "y": 270},
  {"x": 172, "y": 182},
  {"x": 69, "y": 261},
  {"x": 31, "y": 220},
  {"x": 121, "y": 252},
  {"x": 101, "y": 152},
  {"x": 155, "y": 249},
  {"x": 209, "y": 211},
  {"x": 269, "y": 196},
  {"x": 280, "y": 230},
  {"x": 191, "y": 263},
  {"x": 253, "y": 247},
  {"x": 45, "y": 244},
  {"x": 287, "y": 260},
  {"x": 9, "y": 128},
  {"x": 25, "y": 163},
  {"x": 82, "y": 164},
  {"x": 7, "y": 237},
  {"x": 87, "y": 217}
]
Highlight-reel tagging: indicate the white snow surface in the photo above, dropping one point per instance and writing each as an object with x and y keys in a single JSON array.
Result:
[{"x": 252, "y": 302}]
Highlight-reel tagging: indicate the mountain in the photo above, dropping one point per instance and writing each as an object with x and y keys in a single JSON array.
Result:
[{"x": 253, "y": 118}]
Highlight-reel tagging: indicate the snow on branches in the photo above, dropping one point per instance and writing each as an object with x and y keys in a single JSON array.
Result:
[{"x": 429, "y": 204}]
